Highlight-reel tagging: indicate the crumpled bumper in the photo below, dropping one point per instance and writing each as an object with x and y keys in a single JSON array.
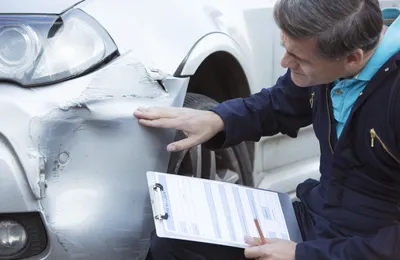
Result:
[{"x": 75, "y": 153}]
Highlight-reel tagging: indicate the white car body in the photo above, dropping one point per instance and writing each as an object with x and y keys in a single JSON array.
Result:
[
  {"x": 247, "y": 31},
  {"x": 73, "y": 152}
]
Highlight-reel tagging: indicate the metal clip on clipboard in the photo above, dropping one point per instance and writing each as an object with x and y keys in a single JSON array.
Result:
[{"x": 160, "y": 200}]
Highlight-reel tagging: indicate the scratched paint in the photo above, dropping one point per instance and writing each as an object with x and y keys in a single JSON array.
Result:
[{"x": 94, "y": 156}]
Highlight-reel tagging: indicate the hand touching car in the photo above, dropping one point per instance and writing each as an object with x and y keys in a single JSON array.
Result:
[{"x": 198, "y": 125}]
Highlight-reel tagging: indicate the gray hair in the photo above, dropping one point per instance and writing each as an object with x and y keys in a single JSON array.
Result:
[{"x": 340, "y": 26}]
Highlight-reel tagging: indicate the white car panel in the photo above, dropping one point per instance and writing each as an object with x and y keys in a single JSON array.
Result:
[
  {"x": 37, "y": 6},
  {"x": 80, "y": 137}
]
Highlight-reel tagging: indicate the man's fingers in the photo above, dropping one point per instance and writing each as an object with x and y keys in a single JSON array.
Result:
[
  {"x": 256, "y": 251},
  {"x": 252, "y": 241},
  {"x": 161, "y": 123},
  {"x": 156, "y": 112},
  {"x": 183, "y": 144}
]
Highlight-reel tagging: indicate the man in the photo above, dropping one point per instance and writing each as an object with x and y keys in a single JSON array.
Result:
[{"x": 343, "y": 77}]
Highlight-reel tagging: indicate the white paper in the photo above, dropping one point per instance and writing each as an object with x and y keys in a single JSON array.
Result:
[{"x": 218, "y": 212}]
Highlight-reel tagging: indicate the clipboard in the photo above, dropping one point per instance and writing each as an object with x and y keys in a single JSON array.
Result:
[{"x": 167, "y": 216}]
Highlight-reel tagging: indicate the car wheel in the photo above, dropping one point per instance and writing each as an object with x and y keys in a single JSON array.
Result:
[{"x": 231, "y": 165}]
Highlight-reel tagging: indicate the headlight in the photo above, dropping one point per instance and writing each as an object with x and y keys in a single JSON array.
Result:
[
  {"x": 37, "y": 50},
  {"x": 13, "y": 238}
]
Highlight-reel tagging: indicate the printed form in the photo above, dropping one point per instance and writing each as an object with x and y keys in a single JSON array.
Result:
[{"x": 219, "y": 213}]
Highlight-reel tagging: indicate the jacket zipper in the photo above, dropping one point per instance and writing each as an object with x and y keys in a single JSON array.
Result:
[
  {"x": 373, "y": 136},
  {"x": 312, "y": 99},
  {"x": 330, "y": 120}
]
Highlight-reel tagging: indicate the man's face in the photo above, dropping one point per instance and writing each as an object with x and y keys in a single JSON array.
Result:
[{"x": 307, "y": 66}]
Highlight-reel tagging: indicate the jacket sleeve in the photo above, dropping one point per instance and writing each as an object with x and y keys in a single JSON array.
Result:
[
  {"x": 395, "y": 117},
  {"x": 384, "y": 245},
  {"x": 283, "y": 108}
]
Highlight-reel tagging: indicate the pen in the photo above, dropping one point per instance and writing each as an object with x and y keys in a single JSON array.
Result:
[{"x": 260, "y": 231}]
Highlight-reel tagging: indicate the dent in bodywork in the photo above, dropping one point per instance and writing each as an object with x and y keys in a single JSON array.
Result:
[
  {"x": 107, "y": 98},
  {"x": 42, "y": 177},
  {"x": 90, "y": 156},
  {"x": 120, "y": 81}
]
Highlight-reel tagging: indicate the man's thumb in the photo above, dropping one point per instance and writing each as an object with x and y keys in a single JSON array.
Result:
[{"x": 183, "y": 144}]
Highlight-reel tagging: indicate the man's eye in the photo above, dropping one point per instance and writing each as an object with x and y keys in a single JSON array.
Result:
[{"x": 301, "y": 60}]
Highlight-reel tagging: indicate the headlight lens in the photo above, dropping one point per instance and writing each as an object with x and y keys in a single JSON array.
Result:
[
  {"x": 37, "y": 50},
  {"x": 13, "y": 238}
]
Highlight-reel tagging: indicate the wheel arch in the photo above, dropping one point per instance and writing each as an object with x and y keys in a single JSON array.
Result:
[
  {"x": 218, "y": 69},
  {"x": 219, "y": 51}
]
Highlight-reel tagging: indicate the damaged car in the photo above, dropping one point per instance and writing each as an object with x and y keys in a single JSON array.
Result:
[{"x": 73, "y": 158}]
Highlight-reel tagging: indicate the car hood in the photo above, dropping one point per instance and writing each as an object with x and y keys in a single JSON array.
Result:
[{"x": 37, "y": 6}]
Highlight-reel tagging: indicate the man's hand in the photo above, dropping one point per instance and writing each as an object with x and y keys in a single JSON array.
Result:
[
  {"x": 198, "y": 125},
  {"x": 275, "y": 249}
]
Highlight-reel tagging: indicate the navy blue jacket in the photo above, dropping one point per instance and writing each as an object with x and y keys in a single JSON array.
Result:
[{"x": 356, "y": 202}]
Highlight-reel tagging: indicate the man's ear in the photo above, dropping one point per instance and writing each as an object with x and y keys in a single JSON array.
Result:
[{"x": 356, "y": 59}]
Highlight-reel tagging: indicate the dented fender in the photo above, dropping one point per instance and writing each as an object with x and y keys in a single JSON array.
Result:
[{"x": 74, "y": 152}]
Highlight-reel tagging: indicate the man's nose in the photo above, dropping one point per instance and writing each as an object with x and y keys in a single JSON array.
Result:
[{"x": 288, "y": 61}]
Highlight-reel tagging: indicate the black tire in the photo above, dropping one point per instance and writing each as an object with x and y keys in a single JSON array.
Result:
[{"x": 231, "y": 164}]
